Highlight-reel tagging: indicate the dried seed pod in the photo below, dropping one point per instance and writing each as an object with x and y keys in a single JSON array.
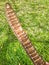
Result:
[{"x": 22, "y": 37}]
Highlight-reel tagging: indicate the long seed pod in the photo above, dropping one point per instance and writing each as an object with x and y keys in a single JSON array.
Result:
[{"x": 22, "y": 36}]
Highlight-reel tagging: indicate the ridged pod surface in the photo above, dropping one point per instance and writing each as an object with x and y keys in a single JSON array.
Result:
[{"x": 22, "y": 37}]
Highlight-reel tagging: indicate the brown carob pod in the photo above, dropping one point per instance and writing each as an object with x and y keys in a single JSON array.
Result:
[{"x": 22, "y": 37}]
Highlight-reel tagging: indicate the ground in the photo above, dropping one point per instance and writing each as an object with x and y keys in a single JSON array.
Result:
[{"x": 34, "y": 18}]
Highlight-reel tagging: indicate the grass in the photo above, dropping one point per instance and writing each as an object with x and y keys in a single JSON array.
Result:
[{"x": 34, "y": 18}]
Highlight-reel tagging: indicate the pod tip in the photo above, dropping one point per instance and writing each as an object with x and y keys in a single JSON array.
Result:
[{"x": 7, "y": 5}]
